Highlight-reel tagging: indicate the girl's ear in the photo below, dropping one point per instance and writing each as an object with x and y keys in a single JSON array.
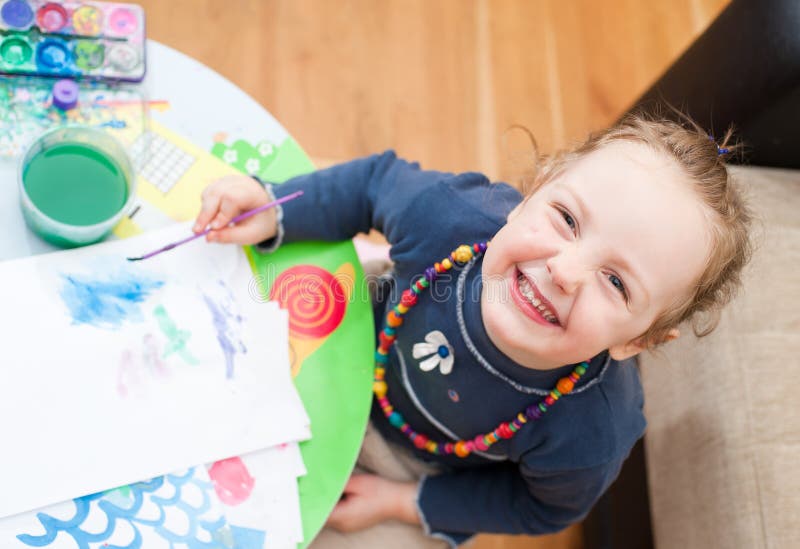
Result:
[{"x": 636, "y": 346}]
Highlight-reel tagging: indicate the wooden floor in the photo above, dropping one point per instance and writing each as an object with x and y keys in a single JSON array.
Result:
[{"x": 440, "y": 81}]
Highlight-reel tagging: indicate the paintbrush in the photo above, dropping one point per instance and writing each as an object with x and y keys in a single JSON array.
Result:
[{"x": 233, "y": 221}]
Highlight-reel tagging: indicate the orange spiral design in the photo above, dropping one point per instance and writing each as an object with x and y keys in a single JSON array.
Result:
[{"x": 315, "y": 299}]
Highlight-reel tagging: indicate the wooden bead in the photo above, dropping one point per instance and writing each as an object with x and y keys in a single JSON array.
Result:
[
  {"x": 565, "y": 385},
  {"x": 379, "y": 388},
  {"x": 461, "y": 449}
]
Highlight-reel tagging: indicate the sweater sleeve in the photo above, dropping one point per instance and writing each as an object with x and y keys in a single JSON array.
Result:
[
  {"x": 510, "y": 498},
  {"x": 353, "y": 197}
]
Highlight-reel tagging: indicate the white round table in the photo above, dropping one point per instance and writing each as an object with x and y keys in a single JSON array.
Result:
[{"x": 200, "y": 105}]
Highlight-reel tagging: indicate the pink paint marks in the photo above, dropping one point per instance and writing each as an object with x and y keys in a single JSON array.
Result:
[
  {"x": 139, "y": 368},
  {"x": 151, "y": 356},
  {"x": 126, "y": 373},
  {"x": 232, "y": 480}
]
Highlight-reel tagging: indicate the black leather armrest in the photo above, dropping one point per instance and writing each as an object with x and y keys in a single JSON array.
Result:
[{"x": 744, "y": 69}]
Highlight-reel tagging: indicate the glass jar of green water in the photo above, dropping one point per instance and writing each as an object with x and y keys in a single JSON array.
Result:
[{"x": 75, "y": 184}]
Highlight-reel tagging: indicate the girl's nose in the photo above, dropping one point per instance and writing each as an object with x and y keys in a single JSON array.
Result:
[{"x": 565, "y": 270}]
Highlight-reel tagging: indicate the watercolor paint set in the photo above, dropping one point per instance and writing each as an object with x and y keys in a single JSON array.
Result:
[{"x": 96, "y": 40}]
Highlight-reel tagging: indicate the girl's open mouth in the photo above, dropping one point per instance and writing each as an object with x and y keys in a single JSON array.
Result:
[{"x": 531, "y": 302}]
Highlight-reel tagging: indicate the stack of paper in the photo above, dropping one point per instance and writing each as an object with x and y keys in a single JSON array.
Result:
[
  {"x": 270, "y": 517},
  {"x": 152, "y": 399}
]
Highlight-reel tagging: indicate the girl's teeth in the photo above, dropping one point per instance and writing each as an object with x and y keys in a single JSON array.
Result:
[{"x": 527, "y": 291}]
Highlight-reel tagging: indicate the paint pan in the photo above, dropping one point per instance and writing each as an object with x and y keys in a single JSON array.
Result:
[
  {"x": 17, "y": 14},
  {"x": 53, "y": 56},
  {"x": 75, "y": 184},
  {"x": 15, "y": 51},
  {"x": 52, "y": 17}
]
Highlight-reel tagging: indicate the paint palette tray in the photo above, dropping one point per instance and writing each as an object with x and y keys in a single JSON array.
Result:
[{"x": 96, "y": 40}]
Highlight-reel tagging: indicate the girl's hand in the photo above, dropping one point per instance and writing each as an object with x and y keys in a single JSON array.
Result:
[
  {"x": 228, "y": 197},
  {"x": 369, "y": 499}
]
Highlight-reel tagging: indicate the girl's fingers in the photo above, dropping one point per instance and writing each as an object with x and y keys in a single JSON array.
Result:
[
  {"x": 228, "y": 209},
  {"x": 225, "y": 199},
  {"x": 242, "y": 233},
  {"x": 208, "y": 210}
]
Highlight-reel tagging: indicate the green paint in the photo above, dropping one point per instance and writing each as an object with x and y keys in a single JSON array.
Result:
[
  {"x": 176, "y": 338},
  {"x": 124, "y": 491},
  {"x": 75, "y": 184},
  {"x": 89, "y": 54},
  {"x": 16, "y": 51}
]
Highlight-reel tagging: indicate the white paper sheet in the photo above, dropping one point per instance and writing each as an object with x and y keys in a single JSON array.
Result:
[
  {"x": 117, "y": 371},
  {"x": 259, "y": 495},
  {"x": 284, "y": 525}
]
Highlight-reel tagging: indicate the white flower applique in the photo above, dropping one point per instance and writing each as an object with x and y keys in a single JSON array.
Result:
[
  {"x": 265, "y": 149},
  {"x": 440, "y": 351},
  {"x": 230, "y": 156},
  {"x": 252, "y": 166}
]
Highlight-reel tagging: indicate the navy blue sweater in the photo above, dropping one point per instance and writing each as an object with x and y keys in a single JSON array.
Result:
[{"x": 553, "y": 470}]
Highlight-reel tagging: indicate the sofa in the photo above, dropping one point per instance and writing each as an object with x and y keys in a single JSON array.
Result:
[
  {"x": 720, "y": 463},
  {"x": 723, "y": 440}
]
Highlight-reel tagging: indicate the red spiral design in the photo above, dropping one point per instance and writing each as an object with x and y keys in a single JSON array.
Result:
[{"x": 316, "y": 301}]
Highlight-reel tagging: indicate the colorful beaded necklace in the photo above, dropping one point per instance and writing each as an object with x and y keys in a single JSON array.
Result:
[{"x": 462, "y": 448}]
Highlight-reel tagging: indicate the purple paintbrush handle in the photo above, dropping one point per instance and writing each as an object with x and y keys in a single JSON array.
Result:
[
  {"x": 233, "y": 221},
  {"x": 175, "y": 244},
  {"x": 267, "y": 206}
]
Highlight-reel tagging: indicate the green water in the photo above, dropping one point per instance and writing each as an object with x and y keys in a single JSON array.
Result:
[{"x": 75, "y": 183}]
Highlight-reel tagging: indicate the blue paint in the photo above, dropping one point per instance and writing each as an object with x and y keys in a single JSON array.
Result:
[
  {"x": 115, "y": 124},
  {"x": 248, "y": 538},
  {"x": 17, "y": 14},
  {"x": 222, "y": 316},
  {"x": 196, "y": 534},
  {"x": 107, "y": 302},
  {"x": 52, "y": 56}
]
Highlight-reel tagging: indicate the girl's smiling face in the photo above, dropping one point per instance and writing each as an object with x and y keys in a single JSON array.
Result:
[{"x": 591, "y": 259}]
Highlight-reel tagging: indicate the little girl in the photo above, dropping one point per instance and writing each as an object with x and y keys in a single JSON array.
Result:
[{"x": 502, "y": 363}]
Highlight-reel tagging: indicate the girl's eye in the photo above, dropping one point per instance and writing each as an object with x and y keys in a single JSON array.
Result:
[
  {"x": 617, "y": 283},
  {"x": 569, "y": 220}
]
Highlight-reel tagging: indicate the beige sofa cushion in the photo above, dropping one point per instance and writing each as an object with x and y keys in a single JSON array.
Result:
[{"x": 723, "y": 437}]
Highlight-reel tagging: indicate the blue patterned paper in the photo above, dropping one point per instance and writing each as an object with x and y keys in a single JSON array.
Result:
[{"x": 173, "y": 511}]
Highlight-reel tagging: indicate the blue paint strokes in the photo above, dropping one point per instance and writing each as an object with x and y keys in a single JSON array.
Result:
[
  {"x": 221, "y": 325},
  {"x": 206, "y": 528},
  {"x": 227, "y": 324},
  {"x": 53, "y": 525},
  {"x": 106, "y": 302},
  {"x": 115, "y": 124},
  {"x": 248, "y": 538}
]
